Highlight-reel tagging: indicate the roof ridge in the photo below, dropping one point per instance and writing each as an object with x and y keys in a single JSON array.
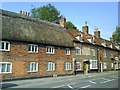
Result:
[{"x": 17, "y": 15}]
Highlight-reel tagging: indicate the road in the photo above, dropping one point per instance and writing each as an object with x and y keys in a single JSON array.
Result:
[{"x": 93, "y": 80}]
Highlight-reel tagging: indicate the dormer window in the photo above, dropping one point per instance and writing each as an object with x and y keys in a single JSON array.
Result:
[
  {"x": 79, "y": 37},
  {"x": 104, "y": 43},
  {"x": 117, "y": 47},
  {"x": 91, "y": 40},
  {"x": 110, "y": 46}
]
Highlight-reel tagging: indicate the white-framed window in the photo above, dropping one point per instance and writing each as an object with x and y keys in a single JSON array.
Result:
[
  {"x": 67, "y": 66},
  {"x": 92, "y": 52},
  {"x": 67, "y": 50},
  {"x": 110, "y": 46},
  {"x": 50, "y": 50},
  {"x": 4, "y": 46},
  {"x": 77, "y": 51},
  {"x": 104, "y": 43},
  {"x": 93, "y": 64},
  {"x": 32, "y": 48},
  {"x": 50, "y": 66},
  {"x": 78, "y": 66},
  {"x": 112, "y": 65},
  {"x": 5, "y": 67},
  {"x": 80, "y": 37},
  {"x": 32, "y": 67},
  {"x": 105, "y": 65}
]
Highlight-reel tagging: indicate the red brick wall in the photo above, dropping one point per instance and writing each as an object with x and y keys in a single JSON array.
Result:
[{"x": 19, "y": 56}]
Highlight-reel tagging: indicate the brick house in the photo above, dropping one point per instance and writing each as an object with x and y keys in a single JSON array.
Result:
[
  {"x": 32, "y": 48},
  {"x": 100, "y": 53}
]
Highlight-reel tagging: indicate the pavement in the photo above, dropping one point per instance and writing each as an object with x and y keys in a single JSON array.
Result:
[{"x": 108, "y": 79}]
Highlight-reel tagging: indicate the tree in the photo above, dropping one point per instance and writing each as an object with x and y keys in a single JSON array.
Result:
[
  {"x": 70, "y": 25},
  {"x": 47, "y": 12},
  {"x": 116, "y": 35}
]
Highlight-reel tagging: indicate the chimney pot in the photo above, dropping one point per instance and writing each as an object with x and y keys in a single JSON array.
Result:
[
  {"x": 21, "y": 12},
  {"x": 63, "y": 21},
  {"x": 85, "y": 28},
  {"x": 28, "y": 14},
  {"x": 97, "y": 33},
  {"x": 111, "y": 39}
]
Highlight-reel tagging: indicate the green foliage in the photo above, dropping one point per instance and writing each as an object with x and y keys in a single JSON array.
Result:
[
  {"x": 116, "y": 35},
  {"x": 47, "y": 12},
  {"x": 70, "y": 25}
]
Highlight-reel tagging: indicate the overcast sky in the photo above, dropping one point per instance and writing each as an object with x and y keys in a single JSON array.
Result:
[{"x": 103, "y": 15}]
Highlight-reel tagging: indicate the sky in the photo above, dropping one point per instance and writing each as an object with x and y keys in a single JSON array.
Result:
[{"x": 103, "y": 15}]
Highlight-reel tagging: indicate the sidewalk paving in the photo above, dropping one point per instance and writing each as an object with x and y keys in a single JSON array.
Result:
[{"x": 57, "y": 79}]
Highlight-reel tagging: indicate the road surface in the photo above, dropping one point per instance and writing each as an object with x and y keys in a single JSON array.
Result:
[{"x": 93, "y": 80}]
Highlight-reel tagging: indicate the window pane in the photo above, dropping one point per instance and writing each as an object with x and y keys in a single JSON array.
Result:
[
  {"x": 29, "y": 47},
  {"x": 6, "y": 46},
  {"x": 35, "y": 67},
  {"x": 3, "y": 45},
  {"x": 36, "y": 48},
  {"x": 3, "y": 67},
  {"x": 32, "y": 48},
  {"x": 32, "y": 66},
  {"x": 50, "y": 50},
  {"x": 8, "y": 67}
]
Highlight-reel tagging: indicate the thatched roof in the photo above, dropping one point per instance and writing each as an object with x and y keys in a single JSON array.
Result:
[{"x": 23, "y": 28}]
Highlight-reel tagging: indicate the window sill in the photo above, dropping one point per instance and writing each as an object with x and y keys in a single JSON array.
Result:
[
  {"x": 67, "y": 70},
  {"x": 68, "y": 54},
  {"x": 5, "y": 72},
  {"x": 50, "y": 53},
  {"x": 33, "y": 52},
  {"x": 32, "y": 71},
  {"x": 5, "y": 50},
  {"x": 50, "y": 70}
]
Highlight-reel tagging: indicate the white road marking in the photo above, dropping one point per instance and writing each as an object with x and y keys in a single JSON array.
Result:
[
  {"x": 70, "y": 86},
  {"x": 92, "y": 82},
  {"x": 107, "y": 81},
  {"x": 86, "y": 86},
  {"x": 58, "y": 86},
  {"x": 104, "y": 78}
]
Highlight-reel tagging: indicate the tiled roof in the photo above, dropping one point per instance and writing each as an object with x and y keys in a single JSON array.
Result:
[{"x": 97, "y": 41}]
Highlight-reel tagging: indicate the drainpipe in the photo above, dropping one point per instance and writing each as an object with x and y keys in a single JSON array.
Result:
[
  {"x": 98, "y": 59},
  {"x": 74, "y": 66}
]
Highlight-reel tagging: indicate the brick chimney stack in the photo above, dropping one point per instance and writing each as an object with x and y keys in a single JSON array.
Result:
[
  {"x": 97, "y": 33},
  {"x": 85, "y": 28},
  {"x": 63, "y": 21}
]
